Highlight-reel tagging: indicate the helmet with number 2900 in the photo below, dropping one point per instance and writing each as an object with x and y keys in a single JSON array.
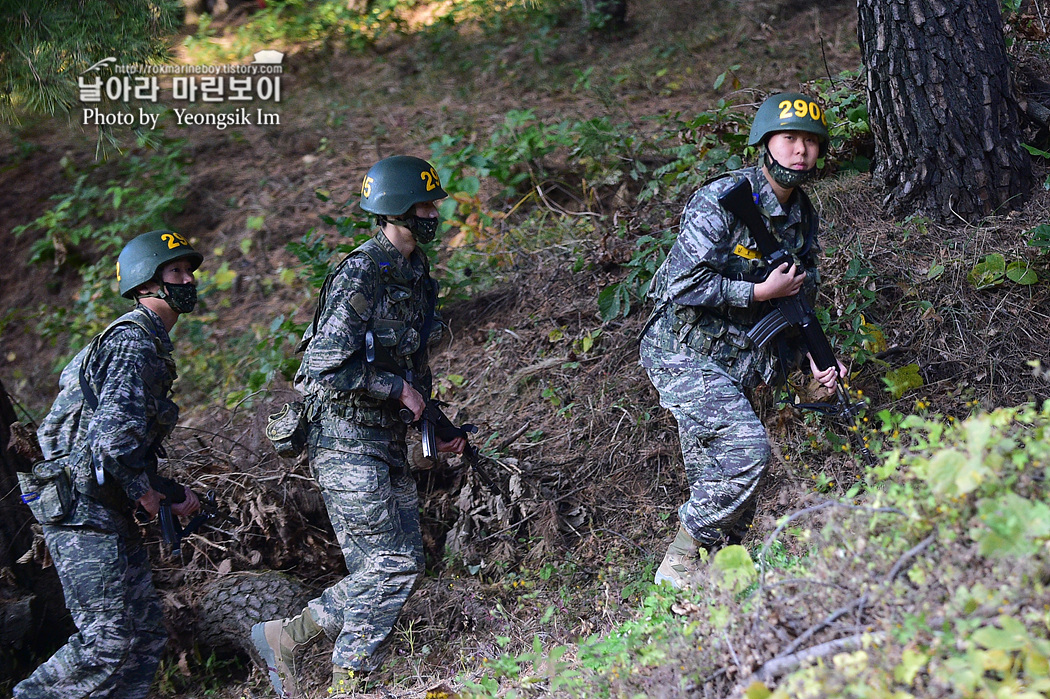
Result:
[{"x": 789, "y": 111}]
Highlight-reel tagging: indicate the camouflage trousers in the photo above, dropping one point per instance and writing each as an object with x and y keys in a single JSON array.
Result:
[
  {"x": 108, "y": 586},
  {"x": 724, "y": 446},
  {"x": 374, "y": 509}
]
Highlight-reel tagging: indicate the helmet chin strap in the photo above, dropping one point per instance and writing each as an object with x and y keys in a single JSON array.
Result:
[{"x": 786, "y": 177}]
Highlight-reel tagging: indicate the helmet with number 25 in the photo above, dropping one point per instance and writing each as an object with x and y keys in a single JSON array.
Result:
[
  {"x": 144, "y": 255},
  {"x": 396, "y": 184}
]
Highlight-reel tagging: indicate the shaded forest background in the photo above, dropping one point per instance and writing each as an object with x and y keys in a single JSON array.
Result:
[{"x": 570, "y": 150}]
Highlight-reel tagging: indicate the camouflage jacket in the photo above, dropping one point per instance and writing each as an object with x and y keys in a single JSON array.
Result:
[
  {"x": 130, "y": 370},
  {"x": 703, "y": 292},
  {"x": 374, "y": 288}
]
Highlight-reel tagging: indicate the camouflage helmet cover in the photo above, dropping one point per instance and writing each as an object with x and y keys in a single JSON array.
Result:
[
  {"x": 789, "y": 111},
  {"x": 140, "y": 259},
  {"x": 395, "y": 184}
]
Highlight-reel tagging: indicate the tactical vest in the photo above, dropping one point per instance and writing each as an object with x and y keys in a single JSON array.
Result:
[
  {"x": 721, "y": 333},
  {"x": 66, "y": 430},
  {"x": 399, "y": 341}
]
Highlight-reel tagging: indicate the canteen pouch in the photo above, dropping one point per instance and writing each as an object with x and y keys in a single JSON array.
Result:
[
  {"x": 286, "y": 430},
  {"x": 48, "y": 490}
]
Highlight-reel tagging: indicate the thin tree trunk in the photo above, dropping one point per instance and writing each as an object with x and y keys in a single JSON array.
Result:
[{"x": 942, "y": 108}]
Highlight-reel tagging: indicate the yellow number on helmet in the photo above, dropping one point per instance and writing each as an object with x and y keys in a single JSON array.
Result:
[
  {"x": 118, "y": 271},
  {"x": 801, "y": 108},
  {"x": 173, "y": 240},
  {"x": 366, "y": 186},
  {"x": 431, "y": 178},
  {"x": 785, "y": 109}
]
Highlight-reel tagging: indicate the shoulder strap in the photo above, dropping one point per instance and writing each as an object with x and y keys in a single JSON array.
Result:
[
  {"x": 810, "y": 223},
  {"x": 370, "y": 249},
  {"x": 85, "y": 388}
]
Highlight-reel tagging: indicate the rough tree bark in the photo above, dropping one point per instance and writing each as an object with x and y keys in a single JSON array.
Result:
[{"x": 942, "y": 108}]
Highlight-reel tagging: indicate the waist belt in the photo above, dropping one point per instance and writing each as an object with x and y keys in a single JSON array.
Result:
[{"x": 370, "y": 416}]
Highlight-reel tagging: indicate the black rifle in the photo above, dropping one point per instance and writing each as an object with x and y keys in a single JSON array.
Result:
[
  {"x": 433, "y": 424},
  {"x": 171, "y": 531},
  {"x": 789, "y": 311}
]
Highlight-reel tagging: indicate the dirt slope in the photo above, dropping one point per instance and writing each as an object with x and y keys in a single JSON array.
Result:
[{"x": 595, "y": 474}]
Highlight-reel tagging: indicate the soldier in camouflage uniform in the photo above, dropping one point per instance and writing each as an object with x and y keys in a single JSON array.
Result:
[
  {"x": 112, "y": 412},
  {"x": 708, "y": 293},
  {"x": 356, "y": 438}
]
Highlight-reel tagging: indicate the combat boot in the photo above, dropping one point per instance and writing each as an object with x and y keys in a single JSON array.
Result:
[
  {"x": 681, "y": 562},
  {"x": 277, "y": 641}
]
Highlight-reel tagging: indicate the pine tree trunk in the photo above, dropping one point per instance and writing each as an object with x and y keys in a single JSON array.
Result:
[{"x": 942, "y": 108}]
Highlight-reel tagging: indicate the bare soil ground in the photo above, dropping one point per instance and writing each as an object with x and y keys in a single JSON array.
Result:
[{"x": 596, "y": 476}]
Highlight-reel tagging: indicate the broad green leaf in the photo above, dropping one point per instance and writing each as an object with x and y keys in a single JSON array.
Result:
[
  {"x": 223, "y": 277},
  {"x": 935, "y": 271},
  {"x": 951, "y": 473},
  {"x": 757, "y": 690},
  {"x": 912, "y": 661},
  {"x": 1013, "y": 636},
  {"x": 736, "y": 567},
  {"x": 900, "y": 381},
  {"x": 1021, "y": 272},
  {"x": 988, "y": 272}
]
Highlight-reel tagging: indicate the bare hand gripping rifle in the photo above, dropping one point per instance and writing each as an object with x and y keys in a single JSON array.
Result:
[
  {"x": 789, "y": 311},
  {"x": 170, "y": 529},
  {"x": 433, "y": 424}
]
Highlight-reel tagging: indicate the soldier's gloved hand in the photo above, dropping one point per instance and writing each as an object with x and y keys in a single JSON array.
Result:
[
  {"x": 456, "y": 446},
  {"x": 782, "y": 281},
  {"x": 411, "y": 399},
  {"x": 189, "y": 506},
  {"x": 150, "y": 502}
]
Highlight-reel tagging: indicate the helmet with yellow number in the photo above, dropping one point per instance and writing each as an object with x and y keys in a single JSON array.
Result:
[
  {"x": 145, "y": 254},
  {"x": 395, "y": 184},
  {"x": 789, "y": 111}
]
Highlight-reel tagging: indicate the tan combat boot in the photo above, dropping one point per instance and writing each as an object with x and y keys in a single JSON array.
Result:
[
  {"x": 681, "y": 562},
  {"x": 277, "y": 641}
]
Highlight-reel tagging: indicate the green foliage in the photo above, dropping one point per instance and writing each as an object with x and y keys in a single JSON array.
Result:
[
  {"x": 87, "y": 227},
  {"x": 1040, "y": 153},
  {"x": 615, "y": 299},
  {"x": 848, "y": 123},
  {"x": 301, "y": 21},
  {"x": 1040, "y": 237},
  {"x": 993, "y": 269},
  {"x": 48, "y": 43},
  {"x": 855, "y": 334},
  {"x": 900, "y": 381}
]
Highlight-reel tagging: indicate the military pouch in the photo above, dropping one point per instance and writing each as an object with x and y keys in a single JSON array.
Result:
[
  {"x": 286, "y": 430},
  {"x": 48, "y": 490}
]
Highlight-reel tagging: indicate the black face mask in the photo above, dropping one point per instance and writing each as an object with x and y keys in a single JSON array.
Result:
[
  {"x": 181, "y": 297},
  {"x": 424, "y": 229}
]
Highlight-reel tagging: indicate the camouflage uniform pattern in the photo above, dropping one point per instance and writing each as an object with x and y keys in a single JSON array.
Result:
[
  {"x": 357, "y": 443},
  {"x": 698, "y": 356},
  {"x": 97, "y": 551}
]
